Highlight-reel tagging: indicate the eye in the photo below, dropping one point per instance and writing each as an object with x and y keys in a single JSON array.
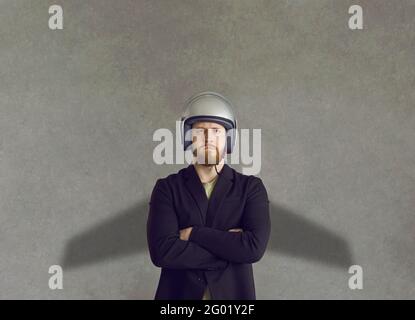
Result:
[{"x": 198, "y": 131}]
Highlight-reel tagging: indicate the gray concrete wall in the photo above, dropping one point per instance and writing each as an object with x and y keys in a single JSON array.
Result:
[{"x": 78, "y": 108}]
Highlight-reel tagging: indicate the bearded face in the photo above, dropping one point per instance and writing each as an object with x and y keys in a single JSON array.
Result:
[{"x": 208, "y": 141}]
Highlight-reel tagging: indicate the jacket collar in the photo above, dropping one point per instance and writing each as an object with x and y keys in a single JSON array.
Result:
[
  {"x": 208, "y": 207},
  {"x": 190, "y": 172}
]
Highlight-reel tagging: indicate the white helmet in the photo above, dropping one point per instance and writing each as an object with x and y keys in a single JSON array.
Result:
[{"x": 213, "y": 107}]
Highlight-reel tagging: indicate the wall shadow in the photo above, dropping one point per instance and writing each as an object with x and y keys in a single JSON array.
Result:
[
  {"x": 125, "y": 234},
  {"x": 294, "y": 235}
]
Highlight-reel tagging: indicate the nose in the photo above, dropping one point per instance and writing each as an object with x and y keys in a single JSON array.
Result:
[{"x": 210, "y": 138}]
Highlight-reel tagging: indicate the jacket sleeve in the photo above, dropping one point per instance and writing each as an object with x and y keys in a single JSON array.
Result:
[
  {"x": 166, "y": 248},
  {"x": 241, "y": 247}
]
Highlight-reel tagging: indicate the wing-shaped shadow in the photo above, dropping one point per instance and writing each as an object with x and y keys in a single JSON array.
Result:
[
  {"x": 122, "y": 235},
  {"x": 297, "y": 236},
  {"x": 125, "y": 234}
]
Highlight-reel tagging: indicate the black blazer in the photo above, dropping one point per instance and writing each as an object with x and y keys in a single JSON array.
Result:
[{"x": 213, "y": 256}]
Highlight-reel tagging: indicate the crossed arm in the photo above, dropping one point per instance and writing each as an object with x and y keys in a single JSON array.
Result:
[
  {"x": 200, "y": 247},
  {"x": 166, "y": 248},
  {"x": 240, "y": 247}
]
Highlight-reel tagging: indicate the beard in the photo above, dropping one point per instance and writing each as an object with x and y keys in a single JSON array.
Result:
[{"x": 207, "y": 156}]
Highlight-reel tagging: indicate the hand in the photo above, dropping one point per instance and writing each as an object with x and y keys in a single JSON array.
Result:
[
  {"x": 235, "y": 230},
  {"x": 185, "y": 233}
]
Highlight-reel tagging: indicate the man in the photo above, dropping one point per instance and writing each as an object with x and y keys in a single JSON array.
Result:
[{"x": 208, "y": 223}]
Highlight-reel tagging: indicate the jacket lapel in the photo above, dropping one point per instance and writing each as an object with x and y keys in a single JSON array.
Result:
[
  {"x": 195, "y": 187},
  {"x": 219, "y": 192},
  {"x": 208, "y": 207}
]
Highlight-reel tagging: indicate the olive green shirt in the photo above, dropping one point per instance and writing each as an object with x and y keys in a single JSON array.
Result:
[{"x": 208, "y": 188}]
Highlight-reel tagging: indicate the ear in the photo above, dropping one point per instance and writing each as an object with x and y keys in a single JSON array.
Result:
[
  {"x": 186, "y": 130},
  {"x": 229, "y": 144},
  {"x": 230, "y": 140}
]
